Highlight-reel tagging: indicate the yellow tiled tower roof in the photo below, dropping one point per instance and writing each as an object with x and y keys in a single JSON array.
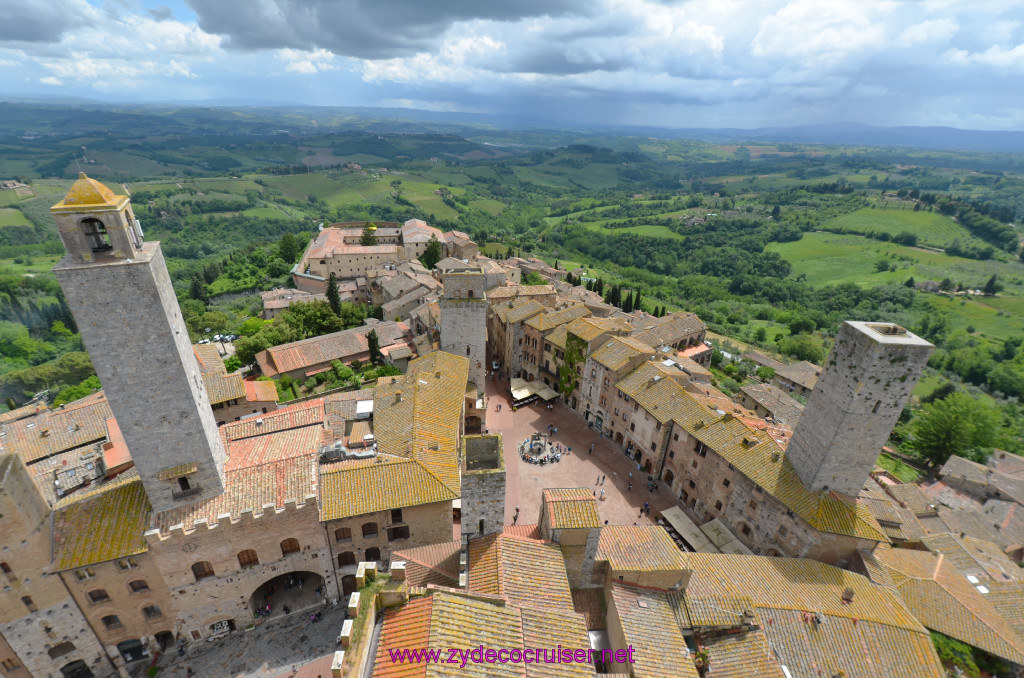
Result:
[{"x": 91, "y": 194}]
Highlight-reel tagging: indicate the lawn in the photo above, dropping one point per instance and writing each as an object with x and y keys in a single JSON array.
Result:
[
  {"x": 11, "y": 216},
  {"x": 930, "y": 228},
  {"x": 490, "y": 206},
  {"x": 30, "y": 265},
  {"x": 907, "y": 474},
  {"x": 272, "y": 212}
]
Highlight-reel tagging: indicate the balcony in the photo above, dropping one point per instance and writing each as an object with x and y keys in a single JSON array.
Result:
[{"x": 178, "y": 495}]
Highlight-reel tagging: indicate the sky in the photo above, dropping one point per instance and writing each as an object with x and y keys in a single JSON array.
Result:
[{"x": 713, "y": 63}]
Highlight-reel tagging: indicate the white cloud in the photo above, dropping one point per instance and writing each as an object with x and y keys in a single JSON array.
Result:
[
  {"x": 934, "y": 30},
  {"x": 998, "y": 56},
  {"x": 300, "y": 61},
  {"x": 50, "y": 80}
]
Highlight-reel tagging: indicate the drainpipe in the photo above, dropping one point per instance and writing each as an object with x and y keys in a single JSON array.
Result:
[{"x": 330, "y": 549}]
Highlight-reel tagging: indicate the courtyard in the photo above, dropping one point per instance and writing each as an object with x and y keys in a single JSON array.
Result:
[{"x": 525, "y": 482}]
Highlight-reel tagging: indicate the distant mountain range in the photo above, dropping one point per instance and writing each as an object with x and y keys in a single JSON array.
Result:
[{"x": 21, "y": 115}]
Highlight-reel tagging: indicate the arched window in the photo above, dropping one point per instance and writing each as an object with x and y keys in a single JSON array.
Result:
[
  {"x": 346, "y": 558},
  {"x": 874, "y": 410},
  {"x": 112, "y": 621},
  {"x": 343, "y": 534},
  {"x": 248, "y": 558},
  {"x": 289, "y": 546},
  {"x": 369, "y": 529},
  {"x": 5, "y": 568},
  {"x": 61, "y": 649},
  {"x": 202, "y": 570},
  {"x": 98, "y": 596},
  {"x": 138, "y": 585},
  {"x": 669, "y": 477},
  {"x": 373, "y": 554}
]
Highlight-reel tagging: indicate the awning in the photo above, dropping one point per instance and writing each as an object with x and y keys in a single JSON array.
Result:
[
  {"x": 521, "y": 389},
  {"x": 688, "y": 530},
  {"x": 723, "y": 538},
  {"x": 547, "y": 394}
]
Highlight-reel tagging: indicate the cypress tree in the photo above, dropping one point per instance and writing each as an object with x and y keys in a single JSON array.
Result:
[{"x": 333, "y": 297}]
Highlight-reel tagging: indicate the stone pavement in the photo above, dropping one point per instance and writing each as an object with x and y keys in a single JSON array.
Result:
[
  {"x": 525, "y": 482},
  {"x": 270, "y": 650}
]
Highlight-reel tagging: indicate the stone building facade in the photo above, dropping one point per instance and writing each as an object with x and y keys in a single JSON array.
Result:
[
  {"x": 867, "y": 381},
  {"x": 464, "y": 320},
  {"x": 483, "y": 486}
]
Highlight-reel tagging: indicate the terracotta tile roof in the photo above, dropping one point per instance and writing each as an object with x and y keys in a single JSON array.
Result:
[
  {"x": 618, "y": 351},
  {"x": 590, "y": 604},
  {"x": 1005, "y": 462},
  {"x": 779, "y": 404},
  {"x": 656, "y": 389},
  {"x": 586, "y": 329},
  {"x": 1008, "y": 600},
  {"x": 963, "y": 471},
  {"x": 944, "y": 600},
  {"x": 758, "y": 456},
  {"x": 803, "y": 373},
  {"x": 224, "y": 387},
  {"x": 524, "y": 531},
  {"x": 524, "y": 310},
  {"x": 976, "y": 557},
  {"x": 209, "y": 359},
  {"x": 306, "y": 413},
  {"x": 571, "y": 508},
  {"x": 510, "y": 291},
  {"x": 644, "y": 548},
  {"x": 742, "y": 655},
  {"x": 448, "y": 619},
  {"x": 762, "y": 359},
  {"x": 652, "y": 622},
  {"x": 371, "y": 485},
  {"x": 417, "y": 230},
  {"x": 260, "y": 391},
  {"x": 912, "y": 497},
  {"x": 51, "y": 431},
  {"x": 433, "y": 564},
  {"x": 545, "y": 322},
  {"x": 345, "y": 346},
  {"x": 101, "y": 524},
  {"x": 21, "y": 412},
  {"x": 671, "y": 329},
  {"x": 526, "y": 573},
  {"x": 968, "y": 520},
  {"x": 258, "y": 450},
  {"x": 419, "y": 415},
  {"x": 558, "y": 337}
]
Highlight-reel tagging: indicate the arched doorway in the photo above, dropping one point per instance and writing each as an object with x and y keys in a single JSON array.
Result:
[
  {"x": 132, "y": 650},
  {"x": 669, "y": 477},
  {"x": 348, "y": 584},
  {"x": 648, "y": 466},
  {"x": 637, "y": 455},
  {"x": 287, "y": 593},
  {"x": 76, "y": 669},
  {"x": 164, "y": 640},
  {"x": 618, "y": 438}
]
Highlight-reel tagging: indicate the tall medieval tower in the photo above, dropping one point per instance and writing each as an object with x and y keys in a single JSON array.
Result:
[
  {"x": 464, "y": 320},
  {"x": 121, "y": 295},
  {"x": 867, "y": 381}
]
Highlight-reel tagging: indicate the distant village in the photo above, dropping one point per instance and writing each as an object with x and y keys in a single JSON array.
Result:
[{"x": 183, "y": 507}]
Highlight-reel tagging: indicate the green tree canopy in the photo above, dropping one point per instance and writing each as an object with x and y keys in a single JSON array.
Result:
[
  {"x": 432, "y": 254},
  {"x": 369, "y": 235},
  {"x": 333, "y": 296},
  {"x": 957, "y": 424},
  {"x": 376, "y": 357},
  {"x": 288, "y": 248}
]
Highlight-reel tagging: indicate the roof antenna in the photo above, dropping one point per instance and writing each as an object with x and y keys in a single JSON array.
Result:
[{"x": 76, "y": 163}]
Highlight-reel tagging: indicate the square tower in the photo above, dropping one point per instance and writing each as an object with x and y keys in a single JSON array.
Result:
[
  {"x": 464, "y": 320},
  {"x": 119, "y": 291},
  {"x": 866, "y": 383},
  {"x": 483, "y": 486}
]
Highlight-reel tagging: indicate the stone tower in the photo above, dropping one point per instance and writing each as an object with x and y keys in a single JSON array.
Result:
[
  {"x": 121, "y": 295},
  {"x": 464, "y": 320},
  {"x": 867, "y": 381},
  {"x": 483, "y": 486}
]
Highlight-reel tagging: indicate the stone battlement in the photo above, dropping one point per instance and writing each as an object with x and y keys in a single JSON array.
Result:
[{"x": 244, "y": 518}]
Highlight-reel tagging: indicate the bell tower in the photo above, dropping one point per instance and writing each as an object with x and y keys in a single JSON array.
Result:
[{"x": 118, "y": 288}]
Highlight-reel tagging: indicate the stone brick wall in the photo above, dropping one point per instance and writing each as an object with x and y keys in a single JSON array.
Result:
[
  {"x": 133, "y": 329},
  {"x": 427, "y": 523},
  {"x": 483, "y": 486},
  {"x": 866, "y": 383},
  {"x": 464, "y": 321},
  {"x": 226, "y": 595}
]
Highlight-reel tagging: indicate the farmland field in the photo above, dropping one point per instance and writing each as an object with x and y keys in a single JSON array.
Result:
[
  {"x": 11, "y": 216},
  {"x": 931, "y": 228}
]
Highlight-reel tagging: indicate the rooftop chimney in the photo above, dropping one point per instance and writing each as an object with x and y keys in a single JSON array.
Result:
[{"x": 848, "y": 594}]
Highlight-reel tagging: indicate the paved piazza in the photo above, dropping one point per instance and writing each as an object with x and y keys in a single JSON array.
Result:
[{"x": 525, "y": 481}]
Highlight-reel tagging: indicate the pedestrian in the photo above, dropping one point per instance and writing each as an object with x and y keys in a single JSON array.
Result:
[
  {"x": 631, "y": 478},
  {"x": 515, "y": 518},
  {"x": 606, "y": 522},
  {"x": 602, "y": 479},
  {"x": 646, "y": 505},
  {"x": 591, "y": 448},
  {"x": 631, "y": 487},
  {"x": 602, "y": 495},
  {"x": 302, "y": 580},
  {"x": 286, "y": 609},
  {"x": 598, "y": 481}
]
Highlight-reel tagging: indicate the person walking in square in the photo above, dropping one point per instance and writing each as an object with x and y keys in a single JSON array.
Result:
[
  {"x": 602, "y": 479},
  {"x": 591, "y": 448}
]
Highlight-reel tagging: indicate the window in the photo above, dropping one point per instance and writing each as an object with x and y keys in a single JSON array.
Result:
[
  {"x": 593, "y": 374},
  {"x": 98, "y": 596},
  {"x": 398, "y": 533},
  {"x": 636, "y": 407},
  {"x": 693, "y": 463},
  {"x": 752, "y": 505},
  {"x": 671, "y": 454},
  {"x": 11, "y": 664},
  {"x": 202, "y": 570},
  {"x": 369, "y": 529},
  {"x": 138, "y": 586},
  {"x": 343, "y": 534},
  {"x": 874, "y": 410},
  {"x": 59, "y": 650},
  {"x": 151, "y": 611},
  {"x": 346, "y": 558},
  {"x": 718, "y": 506},
  {"x": 6, "y": 569},
  {"x": 248, "y": 558},
  {"x": 183, "y": 484},
  {"x": 675, "y": 437},
  {"x": 127, "y": 563},
  {"x": 632, "y": 425},
  {"x": 783, "y": 531},
  {"x": 693, "y": 485},
  {"x": 289, "y": 546},
  {"x": 606, "y": 382},
  {"x": 396, "y": 515},
  {"x": 373, "y": 554},
  {"x": 658, "y": 427},
  {"x": 112, "y": 621},
  {"x": 27, "y": 600},
  {"x": 745, "y": 530},
  {"x": 726, "y": 482},
  {"x": 654, "y": 446}
]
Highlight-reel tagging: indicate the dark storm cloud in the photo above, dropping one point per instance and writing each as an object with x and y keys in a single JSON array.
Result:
[
  {"x": 41, "y": 20},
  {"x": 161, "y": 13},
  {"x": 366, "y": 29}
]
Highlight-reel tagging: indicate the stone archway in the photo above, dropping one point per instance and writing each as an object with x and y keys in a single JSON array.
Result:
[
  {"x": 286, "y": 594},
  {"x": 76, "y": 669},
  {"x": 348, "y": 584}
]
